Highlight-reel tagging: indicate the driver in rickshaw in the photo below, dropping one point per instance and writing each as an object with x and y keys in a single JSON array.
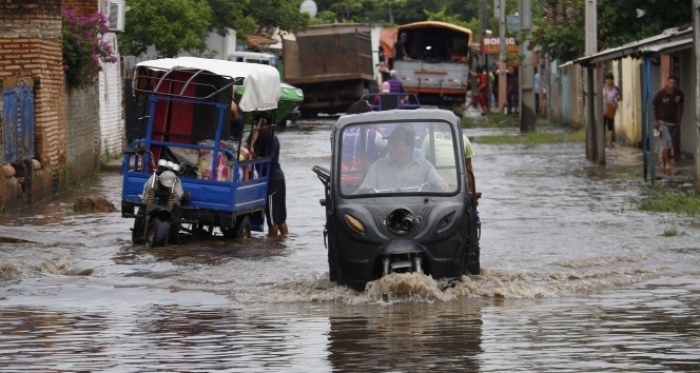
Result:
[{"x": 401, "y": 169}]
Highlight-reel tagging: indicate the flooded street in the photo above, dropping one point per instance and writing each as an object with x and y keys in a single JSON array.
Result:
[{"x": 574, "y": 278}]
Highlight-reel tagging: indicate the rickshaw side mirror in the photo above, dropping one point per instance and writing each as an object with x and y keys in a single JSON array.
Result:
[{"x": 323, "y": 174}]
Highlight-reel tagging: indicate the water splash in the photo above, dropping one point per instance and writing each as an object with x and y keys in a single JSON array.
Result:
[
  {"x": 61, "y": 266},
  {"x": 406, "y": 288},
  {"x": 589, "y": 275},
  {"x": 592, "y": 262}
]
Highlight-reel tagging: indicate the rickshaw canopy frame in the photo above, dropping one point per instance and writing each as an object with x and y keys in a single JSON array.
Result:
[{"x": 261, "y": 82}]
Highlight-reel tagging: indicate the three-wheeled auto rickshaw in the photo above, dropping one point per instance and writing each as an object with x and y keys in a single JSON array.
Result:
[
  {"x": 397, "y": 198},
  {"x": 192, "y": 173}
]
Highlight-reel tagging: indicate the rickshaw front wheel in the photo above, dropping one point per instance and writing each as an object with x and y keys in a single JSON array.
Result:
[
  {"x": 138, "y": 230},
  {"x": 158, "y": 231}
]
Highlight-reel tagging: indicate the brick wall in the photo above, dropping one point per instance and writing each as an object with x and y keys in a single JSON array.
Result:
[
  {"x": 85, "y": 7},
  {"x": 30, "y": 46}
]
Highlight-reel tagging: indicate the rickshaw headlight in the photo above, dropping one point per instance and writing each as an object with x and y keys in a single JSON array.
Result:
[
  {"x": 354, "y": 223},
  {"x": 167, "y": 179}
]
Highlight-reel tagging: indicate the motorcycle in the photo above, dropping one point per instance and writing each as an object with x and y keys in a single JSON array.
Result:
[{"x": 159, "y": 221}]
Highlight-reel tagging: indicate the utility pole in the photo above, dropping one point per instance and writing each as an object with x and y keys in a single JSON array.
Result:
[
  {"x": 595, "y": 132},
  {"x": 696, "y": 45},
  {"x": 527, "y": 76},
  {"x": 483, "y": 18},
  {"x": 391, "y": 13},
  {"x": 502, "y": 84}
]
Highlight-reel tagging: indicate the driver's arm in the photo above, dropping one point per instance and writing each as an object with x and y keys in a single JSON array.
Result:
[
  {"x": 434, "y": 177},
  {"x": 469, "y": 175},
  {"x": 371, "y": 178}
]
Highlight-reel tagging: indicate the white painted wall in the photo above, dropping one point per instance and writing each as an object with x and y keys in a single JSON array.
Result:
[
  {"x": 112, "y": 130},
  {"x": 218, "y": 47},
  {"x": 628, "y": 119}
]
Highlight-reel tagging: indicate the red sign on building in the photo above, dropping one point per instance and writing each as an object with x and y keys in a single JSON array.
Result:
[{"x": 493, "y": 45}]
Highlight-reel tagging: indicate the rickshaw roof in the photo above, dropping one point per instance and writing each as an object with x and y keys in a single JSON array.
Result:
[
  {"x": 261, "y": 82},
  {"x": 418, "y": 115}
]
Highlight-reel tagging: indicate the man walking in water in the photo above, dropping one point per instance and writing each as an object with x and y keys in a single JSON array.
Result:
[{"x": 264, "y": 146}]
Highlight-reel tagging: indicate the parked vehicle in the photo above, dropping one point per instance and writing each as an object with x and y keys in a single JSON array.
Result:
[
  {"x": 438, "y": 66},
  {"x": 253, "y": 57},
  {"x": 332, "y": 64},
  {"x": 187, "y": 175},
  {"x": 381, "y": 219},
  {"x": 291, "y": 96},
  {"x": 288, "y": 105}
]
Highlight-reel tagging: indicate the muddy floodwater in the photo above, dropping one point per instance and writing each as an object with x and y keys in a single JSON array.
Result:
[{"x": 575, "y": 279}]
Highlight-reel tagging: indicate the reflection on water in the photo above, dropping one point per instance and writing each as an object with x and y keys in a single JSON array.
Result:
[
  {"x": 406, "y": 338},
  {"x": 574, "y": 278}
]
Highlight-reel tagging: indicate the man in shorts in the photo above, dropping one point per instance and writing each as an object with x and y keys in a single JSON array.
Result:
[
  {"x": 667, "y": 115},
  {"x": 268, "y": 145}
]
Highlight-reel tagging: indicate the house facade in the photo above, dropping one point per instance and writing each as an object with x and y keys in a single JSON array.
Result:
[
  {"x": 51, "y": 134},
  {"x": 640, "y": 68}
]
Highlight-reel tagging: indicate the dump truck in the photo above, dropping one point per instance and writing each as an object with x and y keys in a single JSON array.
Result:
[
  {"x": 436, "y": 67},
  {"x": 332, "y": 64}
]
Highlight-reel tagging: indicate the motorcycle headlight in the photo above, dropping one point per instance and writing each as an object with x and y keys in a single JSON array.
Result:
[{"x": 167, "y": 179}]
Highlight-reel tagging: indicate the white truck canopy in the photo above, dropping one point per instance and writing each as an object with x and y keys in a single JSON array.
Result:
[{"x": 261, "y": 82}]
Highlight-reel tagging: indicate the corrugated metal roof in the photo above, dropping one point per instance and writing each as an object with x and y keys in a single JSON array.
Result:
[
  {"x": 635, "y": 48},
  {"x": 669, "y": 47}
]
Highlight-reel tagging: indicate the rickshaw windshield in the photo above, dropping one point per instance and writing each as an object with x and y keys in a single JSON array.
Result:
[{"x": 399, "y": 158}]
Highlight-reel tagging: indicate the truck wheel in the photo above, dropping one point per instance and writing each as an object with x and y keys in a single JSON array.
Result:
[
  {"x": 158, "y": 231},
  {"x": 174, "y": 233},
  {"x": 308, "y": 113},
  {"x": 241, "y": 229}
]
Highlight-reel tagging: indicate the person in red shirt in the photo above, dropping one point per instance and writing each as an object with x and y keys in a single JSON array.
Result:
[{"x": 482, "y": 90}]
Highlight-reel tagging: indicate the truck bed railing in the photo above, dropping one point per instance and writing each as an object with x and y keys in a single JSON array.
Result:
[{"x": 147, "y": 84}]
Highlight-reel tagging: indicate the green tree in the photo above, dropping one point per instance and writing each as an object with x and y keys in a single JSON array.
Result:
[
  {"x": 473, "y": 24},
  {"x": 323, "y": 17},
  {"x": 245, "y": 16},
  {"x": 281, "y": 13},
  {"x": 171, "y": 26},
  {"x": 231, "y": 14},
  {"x": 618, "y": 24}
]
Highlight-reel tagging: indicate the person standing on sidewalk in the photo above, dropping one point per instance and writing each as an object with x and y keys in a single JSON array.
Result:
[
  {"x": 611, "y": 99},
  {"x": 668, "y": 114}
]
